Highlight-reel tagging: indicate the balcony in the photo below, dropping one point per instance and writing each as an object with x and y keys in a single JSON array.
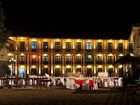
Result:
[
  {"x": 22, "y": 62},
  {"x": 68, "y": 62},
  {"x": 57, "y": 50},
  {"x": 34, "y": 62},
  {"x": 68, "y": 50},
  {"x": 22, "y": 49},
  {"x": 99, "y": 62},
  {"x": 45, "y": 50},
  {"x": 34, "y": 50},
  {"x": 110, "y": 62},
  {"x": 89, "y": 62},
  {"x": 78, "y": 62},
  {"x": 57, "y": 62},
  {"x": 45, "y": 62},
  {"x": 11, "y": 49}
]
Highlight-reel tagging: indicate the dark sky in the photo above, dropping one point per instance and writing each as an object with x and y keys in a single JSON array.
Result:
[{"x": 98, "y": 19}]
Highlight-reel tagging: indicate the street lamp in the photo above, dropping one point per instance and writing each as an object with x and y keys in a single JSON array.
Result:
[{"x": 12, "y": 61}]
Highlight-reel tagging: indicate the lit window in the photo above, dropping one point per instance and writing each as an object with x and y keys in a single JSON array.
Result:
[
  {"x": 88, "y": 45},
  {"x": 34, "y": 45}
]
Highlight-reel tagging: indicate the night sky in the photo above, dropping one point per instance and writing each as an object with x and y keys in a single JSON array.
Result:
[{"x": 70, "y": 19}]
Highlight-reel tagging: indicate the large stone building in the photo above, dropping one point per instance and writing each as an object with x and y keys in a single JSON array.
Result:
[
  {"x": 58, "y": 57},
  {"x": 135, "y": 37}
]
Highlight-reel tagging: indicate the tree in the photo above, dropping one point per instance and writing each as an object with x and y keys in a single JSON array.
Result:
[
  {"x": 3, "y": 32},
  {"x": 5, "y": 70}
]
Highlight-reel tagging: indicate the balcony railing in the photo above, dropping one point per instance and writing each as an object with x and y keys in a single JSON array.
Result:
[
  {"x": 68, "y": 62},
  {"x": 73, "y": 50},
  {"x": 22, "y": 62},
  {"x": 78, "y": 62},
  {"x": 33, "y": 62},
  {"x": 45, "y": 62}
]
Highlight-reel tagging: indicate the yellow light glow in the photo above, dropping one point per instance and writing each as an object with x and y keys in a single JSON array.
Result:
[
  {"x": 22, "y": 54},
  {"x": 78, "y": 66},
  {"x": 58, "y": 55},
  {"x": 51, "y": 45},
  {"x": 88, "y": 40},
  {"x": 34, "y": 56},
  {"x": 120, "y": 66},
  {"x": 78, "y": 40},
  {"x": 45, "y": 54},
  {"x": 68, "y": 40},
  {"x": 57, "y": 66},
  {"x": 100, "y": 54},
  {"x": 100, "y": 66},
  {"x": 33, "y": 39},
  {"x": 45, "y": 66},
  {"x": 9, "y": 54},
  {"x": 68, "y": 66},
  {"x": 33, "y": 66},
  {"x": 57, "y": 39},
  {"x": 45, "y": 40},
  {"x": 121, "y": 55},
  {"x": 110, "y": 54},
  {"x": 100, "y": 40},
  {"x": 78, "y": 55},
  {"x": 131, "y": 54},
  {"x": 110, "y": 66},
  {"x": 89, "y": 66},
  {"x": 68, "y": 54},
  {"x": 109, "y": 40},
  {"x": 120, "y": 41},
  {"x": 22, "y": 66}
]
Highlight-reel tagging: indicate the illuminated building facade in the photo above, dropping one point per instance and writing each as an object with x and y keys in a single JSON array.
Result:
[
  {"x": 57, "y": 57},
  {"x": 135, "y": 37}
]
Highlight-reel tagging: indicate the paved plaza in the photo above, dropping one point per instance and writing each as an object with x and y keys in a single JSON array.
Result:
[{"x": 62, "y": 96}]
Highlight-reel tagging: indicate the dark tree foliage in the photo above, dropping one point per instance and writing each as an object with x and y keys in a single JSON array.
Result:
[
  {"x": 3, "y": 32},
  {"x": 5, "y": 70}
]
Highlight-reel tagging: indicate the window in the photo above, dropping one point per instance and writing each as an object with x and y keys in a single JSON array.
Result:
[
  {"x": 21, "y": 46},
  {"x": 110, "y": 72},
  {"x": 68, "y": 46},
  {"x": 100, "y": 70},
  {"x": 88, "y": 46},
  {"x": 110, "y": 47},
  {"x": 44, "y": 71},
  {"x": 89, "y": 59},
  {"x": 120, "y": 47},
  {"x": 68, "y": 69},
  {"x": 68, "y": 59},
  {"x": 78, "y": 46},
  {"x": 110, "y": 59},
  {"x": 57, "y": 59},
  {"x": 78, "y": 59},
  {"x": 33, "y": 71},
  {"x": 33, "y": 60},
  {"x": 99, "y": 59},
  {"x": 11, "y": 47},
  {"x": 99, "y": 46},
  {"x": 45, "y": 58},
  {"x": 78, "y": 69},
  {"x": 130, "y": 47},
  {"x": 57, "y": 72},
  {"x": 22, "y": 59},
  {"x": 57, "y": 46},
  {"x": 34, "y": 46},
  {"x": 45, "y": 46}
]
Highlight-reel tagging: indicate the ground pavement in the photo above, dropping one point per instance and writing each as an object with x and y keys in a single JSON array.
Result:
[{"x": 62, "y": 96}]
